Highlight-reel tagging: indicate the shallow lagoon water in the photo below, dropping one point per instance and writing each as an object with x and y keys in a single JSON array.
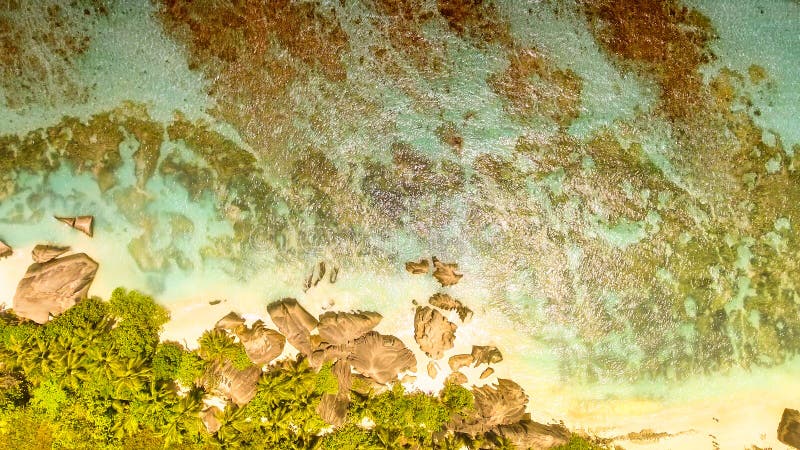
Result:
[{"x": 181, "y": 235}]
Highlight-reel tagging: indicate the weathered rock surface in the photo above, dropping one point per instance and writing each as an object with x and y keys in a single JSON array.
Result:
[
  {"x": 789, "y": 428},
  {"x": 294, "y": 322},
  {"x": 418, "y": 268},
  {"x": 261, "y": 344},
  {"x": 486, "y": 354},
  {"x": 43, "y": 253},
  {"x": 381, "y": 357},
  {"x": 458, "y": 361},
  {"x": 432, "y": 371},
  {"x": 231, "y": 322},
  {"x": 333, "y": 407},
  {"x": 85, "y": 224},
  {"x": 533, "y": 435},
  {"x": 5, "y": 250},
  {"x": 500, "y": 404},
  {"x": 210, "y": 420},
  {"x": 340, "y": 327},
  {"x": 456, "y": 378},
  {"x": 448, "y": 303},
  {"x": 487, "y": 373},
  {"x": 237, "y": 385},
  {"x": 54, "y": 287},
  {"x": 433, "y": 332},
  {"x": 446, "y": 273}
]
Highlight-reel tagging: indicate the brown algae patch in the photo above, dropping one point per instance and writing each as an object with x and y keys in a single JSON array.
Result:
[{"x": 532, "y": 85}]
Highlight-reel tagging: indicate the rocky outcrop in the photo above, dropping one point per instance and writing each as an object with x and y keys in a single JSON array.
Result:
[
  {"x": 446, "y": 273},
  {"x": 210, "y": 420},
  {"x": 239, "y": 386},
  {"x": 381, "y": 357},
  {"x": 43, "y": 253},
  {"x": 54, "y": 286},
  {"x": 340, "y": 328},
  {"x": 85, "y": 224},
  {"x": 501, "y": 404},
  {"x": 433, "y": 332},
  {"x": 533, "y": 435},
  {"x": 5, "y": 250},
  {"x": 789, "y": 428},
  {"x": 418, "y": 268},
  {"x": 231, "y": 322},
  {"x": 486, "y": 355},
  {"x": 261, "y": 344},
  {"x": 294, "y": 322},
  {"x": 448, "y": 303},
  {"x": 456, "y": 362}
]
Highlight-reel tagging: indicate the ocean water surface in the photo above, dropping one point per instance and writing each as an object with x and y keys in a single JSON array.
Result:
[{"x": 617, "y": 181}]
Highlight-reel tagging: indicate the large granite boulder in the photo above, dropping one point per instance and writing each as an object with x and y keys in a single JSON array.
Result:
[
  {"x": 231, "y": 322},
  {"x": 237, "y": 385},
  {"x": 261, "y": 344},
  {"x": 54, "y": 286},
  {"x": 448, "y": 303},
  {"x": 381, "y": 357},
  {"x": 294, "y": 322},
  {"x": 433, "y": 332},
  {"x": 533, "y": 435},
  {"x": 340, "y": 327},
  {"x": 418, "y": 268},
  {"x": 210, "y": 419},
  {"x": 84, "y": 224},
  {"x": 789, "y": 428},
  {"x": 486, "y": 354},
  {"x": 5, "y": 250},
  {"x": 44, "y": 253},
  {"x": 501, "y": 404},
  {"x": 333, "y": 406}
]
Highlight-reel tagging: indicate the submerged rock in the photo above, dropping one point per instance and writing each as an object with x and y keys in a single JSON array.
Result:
[
  {"x": 43, "y": 253},
  {"x": 789, "y": 428},
  {"x": 381, "y": 357},
  {"x": 54, "y": 286},
  {"x": 294, "y": 322},
  {"x": 487, "y": 354},
  {"x": 448, "y": 303},
  {"x": 433, "y": 332},
  {"x": 230, "y": 322},
  {"x": 261, "y": 344},
  {"x": 340, "y": 327},
  {"x": 446, "y": 273},
  {"x": 417, "y": 268},
  {"x": 533, "y": 435},
  {"x": 84, "y": 224},
  {"x": 5, "y": 250}
]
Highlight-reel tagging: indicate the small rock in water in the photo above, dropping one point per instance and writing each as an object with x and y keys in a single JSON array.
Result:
[
  {"x": 334, "y": 275},
  {"x": 417, "y": 268},
  {"x": 84, "y": 224},
  {"x": 215, "y": 302},
  {"x": 789, "y": 428},
  {"x": 458, "y": 361},
  {"x": 445, "y": 273},
  {"x": 487, "y": 373},
  {"x": 43, "y": 253},
  {"x": 432, "y": 372},
  {"x": 5, "y": 250}
]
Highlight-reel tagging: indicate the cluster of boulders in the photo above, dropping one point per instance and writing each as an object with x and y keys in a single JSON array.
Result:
[
  {"x": 53, "y": 283},
  {"x": 344, "y": 340}
]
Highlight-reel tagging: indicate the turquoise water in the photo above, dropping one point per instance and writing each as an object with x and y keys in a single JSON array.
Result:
[{"x": 628, "y": 275}]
